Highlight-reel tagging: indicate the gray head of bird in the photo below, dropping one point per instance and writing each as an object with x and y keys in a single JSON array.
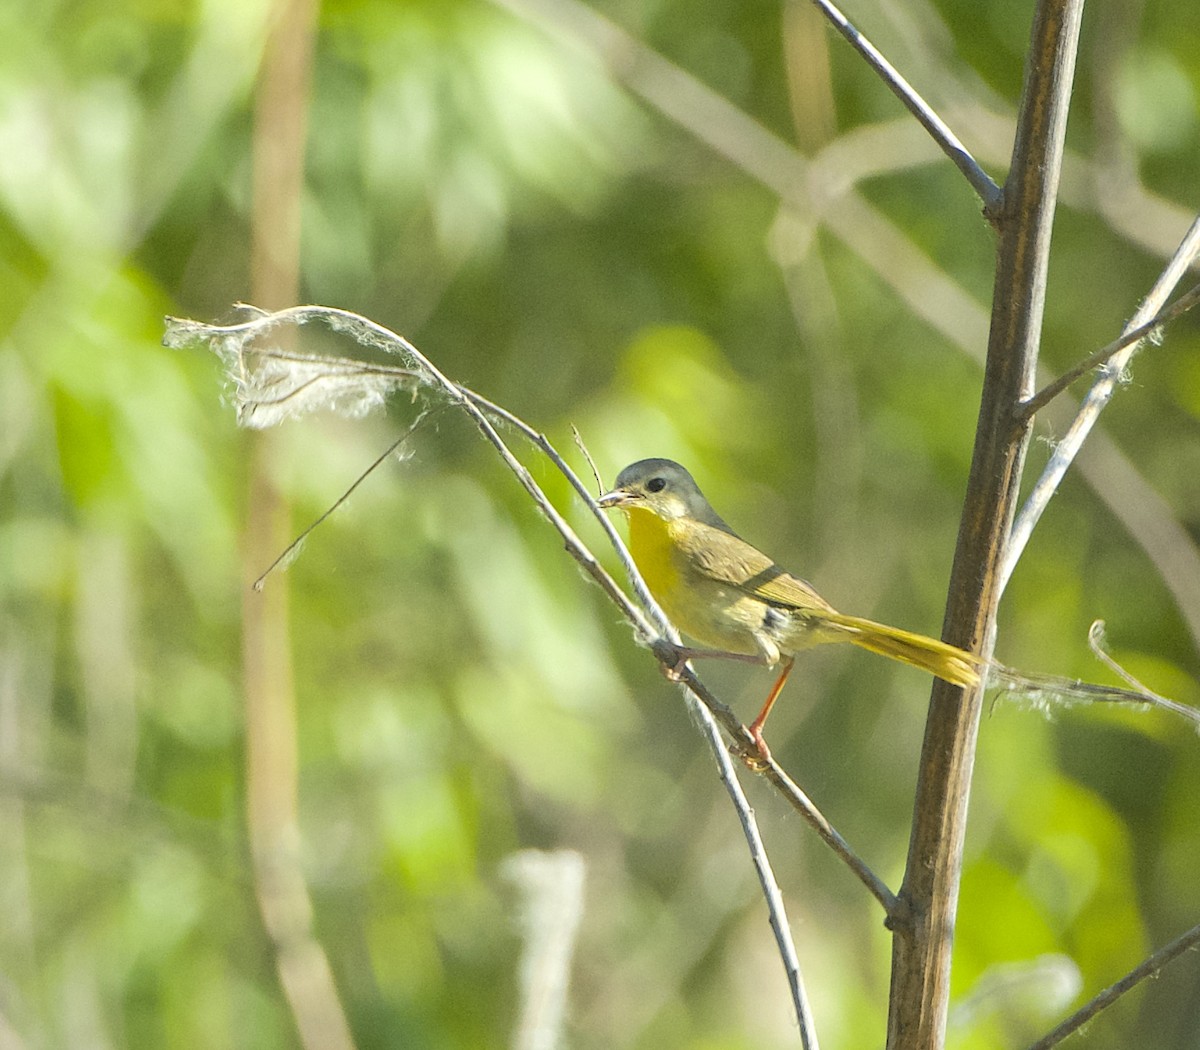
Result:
[{"x": 662, "y": 487}]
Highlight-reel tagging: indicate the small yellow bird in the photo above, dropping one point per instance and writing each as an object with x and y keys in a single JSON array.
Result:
[{"x": 727, "y": 594}]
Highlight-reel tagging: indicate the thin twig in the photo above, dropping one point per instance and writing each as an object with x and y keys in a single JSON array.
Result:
[
  {"x": 664, "y": 646},
  {"x": 180, "y": 330},
  {"x": 292, "y": 548},
  {"x": 775, "y": 909},
  {"x": 803, "y": 805},
  {"x": 766, "y": 877},
  {"x": 663, "y": 641},
  {"x": 1113, "y": 992},
  {"x": 1093, "y": 404},
  {"x": 1138, "y": 690},
  {"x": 1102, "y": 356},
  {"x": 583, "y": 451},
  {"x": 939, "y": 131},
  {"x": 771, "y": 771}
]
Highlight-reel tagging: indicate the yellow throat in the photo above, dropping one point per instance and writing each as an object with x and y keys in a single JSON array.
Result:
[{"x": 653, "y": 553}]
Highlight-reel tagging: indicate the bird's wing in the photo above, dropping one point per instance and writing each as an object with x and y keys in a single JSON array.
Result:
[{"x": 725, "y": 558}]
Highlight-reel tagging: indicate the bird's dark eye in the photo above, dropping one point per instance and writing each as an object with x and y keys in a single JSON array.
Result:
[{"x": 656, "y": 484}]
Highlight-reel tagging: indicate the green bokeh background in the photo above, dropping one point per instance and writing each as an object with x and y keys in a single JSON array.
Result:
[{"x": 491, "y": 191}]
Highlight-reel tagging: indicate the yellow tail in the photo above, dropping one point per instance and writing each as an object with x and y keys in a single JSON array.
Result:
[{"x": 945, "y": 661}]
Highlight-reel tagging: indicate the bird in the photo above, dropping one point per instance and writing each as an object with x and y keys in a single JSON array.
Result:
[{"x": 728, "y": 595}]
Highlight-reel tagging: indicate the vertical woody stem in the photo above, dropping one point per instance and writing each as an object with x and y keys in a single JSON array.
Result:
[{"x": 924, "y": 921}]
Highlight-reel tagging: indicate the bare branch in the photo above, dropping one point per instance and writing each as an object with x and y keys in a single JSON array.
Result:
[
  {"x": 293, "y": 548},
  {"x": 1104, "y": 355},
  {"x": 762, "y": 867},
  {"x": 583, "y": 451},
  {"x": 804, "y": 806},
  {"x": 1150, "y": 968},
  {"x": 230, "y": 342},
  {"x": 939, "y": 131},
  {"x": 1094, "y": 403}
]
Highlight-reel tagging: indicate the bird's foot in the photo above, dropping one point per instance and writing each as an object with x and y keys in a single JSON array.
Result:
[
  {"x": 674, "y": 658},
  {"x": 757, "y": 759},
  {"x": 763, "y": 752},
  {"x": 671, "y": 658}
]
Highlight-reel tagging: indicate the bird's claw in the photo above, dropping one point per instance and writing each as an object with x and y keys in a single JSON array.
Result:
[
  {"x": 757, "y": 759},
  {"x": 675, "y": 672},
  {"x": 671, "y": 658}
]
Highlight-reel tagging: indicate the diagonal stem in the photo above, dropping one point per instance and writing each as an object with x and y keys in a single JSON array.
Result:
[
  {"x": 939, "y": 131},
  {"x": 766, "y": 876},
  {"x": 1127, "y": 339},
  {"x": 1105, "y": 998},
  {"x": 655, "y": 630},
  {"x": 1094, "y": 403}
]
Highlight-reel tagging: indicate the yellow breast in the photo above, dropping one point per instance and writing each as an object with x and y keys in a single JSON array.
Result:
[
  {"x": 652, "y": 550},
  {"x": 719, "y": 615}
]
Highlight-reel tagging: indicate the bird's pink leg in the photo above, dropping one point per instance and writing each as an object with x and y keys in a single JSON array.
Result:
[
  {"x": 756, "y": 727},
  {"x": 683, "y": 653}
]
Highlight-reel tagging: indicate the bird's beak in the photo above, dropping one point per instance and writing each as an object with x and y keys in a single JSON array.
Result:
[{"x": 615, "y": 498}]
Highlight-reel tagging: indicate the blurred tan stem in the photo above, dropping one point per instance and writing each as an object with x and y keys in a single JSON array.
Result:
[
  {"x": 280, "y": 125},
  {"x": 551, "y": 885}
]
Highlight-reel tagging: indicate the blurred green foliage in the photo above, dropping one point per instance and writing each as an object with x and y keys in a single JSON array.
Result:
[{"x": 490, "y": 190}]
